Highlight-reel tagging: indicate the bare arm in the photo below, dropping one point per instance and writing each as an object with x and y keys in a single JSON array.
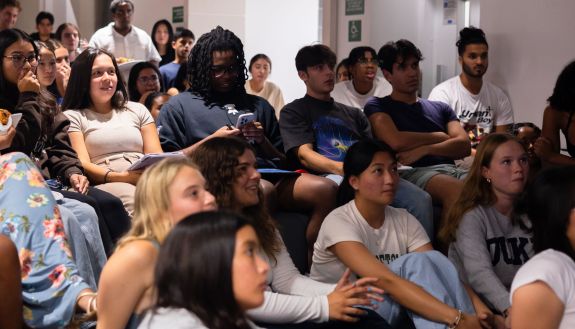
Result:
[
  {"x": 535, "y": 305},
  {"x": 151, "y": 139},
  {"x": 547, "y": 147},
  {"x": 125, "y": 284},
  {"x": 317, "y": 162},
  {"x": 222, "y": 132},
  {"x": 384, "y": 129},
  {"x": 361, "y": 261},
  {"x": 10, "y": 285}
]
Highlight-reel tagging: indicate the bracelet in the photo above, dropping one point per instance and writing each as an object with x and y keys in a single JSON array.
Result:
[
  {"x": 85, "y": 294},
  {"x": 457, "y": 320},
  {"x": 106, "y": 175},
  {"x": 92, "y": 307}
]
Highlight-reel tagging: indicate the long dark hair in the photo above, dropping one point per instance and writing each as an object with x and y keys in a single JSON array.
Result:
[
  {"x": 549, "y": 201},
  {"x": 194, "y": 269},
  {"x": 217, "y": 159},
  {"x": 170, "y": 52},
  {"x": 357, "y": 160},
  {"x": 133, "y": 79},
  {"x": 200, "y": 62},
  {"x": 562, "y": 98},
  {"x": 78, "y": 90},
  {"x": 8, "y": 91}
]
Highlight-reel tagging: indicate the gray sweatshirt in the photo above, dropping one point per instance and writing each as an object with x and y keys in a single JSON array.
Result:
[{"x": 488, "y": 251}]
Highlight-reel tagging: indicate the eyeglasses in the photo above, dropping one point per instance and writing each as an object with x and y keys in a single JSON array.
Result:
[
  {"x": 19, "y": 60},
  {"x": 366, "y": 61},
  {"x": 151, "y": 78},
  {"x": 220, "y": 70}
]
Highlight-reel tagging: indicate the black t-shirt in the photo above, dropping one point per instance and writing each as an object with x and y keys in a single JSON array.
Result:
[{"x": 329, "y": 126}]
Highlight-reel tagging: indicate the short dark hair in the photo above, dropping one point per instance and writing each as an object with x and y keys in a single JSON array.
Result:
[
  {"x": 78, "y": 90},
  {"x": 256, "y": 58},
  {"x": 549, "y": 201},
  {"x": 357, "y": 160},
  {"x": 562, "y": 98},
  {"x": 10, "y": 3},
  {"x": 133, "y": 79},
  {"x": 184, "y": 33},
  {"x": 194, "y": 269},
  {"x": 314, "y": 55},
  {"x": 44, "y": 15},
  {"x": 393, "y": 51},
  {"x": 358, "y": 53},
  {"x": 115, "y": 3},
  {"x": 470, "y": 35},
  {"x": 200, "y": 61}
]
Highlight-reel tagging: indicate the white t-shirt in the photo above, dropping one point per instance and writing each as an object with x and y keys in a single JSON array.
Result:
[
  {"x": 270, "y": 92},
  {"x": 478, "y": 114},
  {"x": 557, "y": 270},
  {"x": 112, "y": 133},
  {"x": 400, "y": 234},
  {"x": 345, "y": 93},
  {"x": 137, "y": 44},
  {"x": 174, "y": 318}
]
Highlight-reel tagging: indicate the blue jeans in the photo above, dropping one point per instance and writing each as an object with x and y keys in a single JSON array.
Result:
[{"x": 433, "y": 272}]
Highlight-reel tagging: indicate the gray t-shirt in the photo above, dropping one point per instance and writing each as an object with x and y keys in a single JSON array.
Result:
[
  {"x": 488, "y": 251},
  {"x": 174, "y": 318}
]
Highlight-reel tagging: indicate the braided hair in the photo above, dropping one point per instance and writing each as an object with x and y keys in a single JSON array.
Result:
[{"x": 200, "y": 62}]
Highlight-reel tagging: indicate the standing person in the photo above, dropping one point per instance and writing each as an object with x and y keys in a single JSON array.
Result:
[
  {"x": 364, "y": 82},
  {"x": 229, "y": 165},
  {"x": 558, "y": 119},
  {"x": 107, "y": 132},
  {"x": 543, "y": 290},
  {"x": 182, "y": 46},
  {"x": 317, "y": 131},
  {"x": 488, "y": 240},
  {"x": 44, "y": 27},
  {"x": 373, "y": 239},
  {"x": 123, "y": 39},
  {"x": 211, "y": 108},
  {"x": 426, "y": 135},
  {"x": 162, "y": 37},
  {"x": 69, "y": 35},
  {"x": 481, "y": 106},
  {"x": 167, "y": 193},
  {"x": 217, "y": 294},
  {"x": 260, "y": 68},
  {"x": 9, "y": 11}
]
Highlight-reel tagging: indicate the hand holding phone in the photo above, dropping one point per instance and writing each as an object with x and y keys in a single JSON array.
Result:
[{"x": 244, "y": 119}]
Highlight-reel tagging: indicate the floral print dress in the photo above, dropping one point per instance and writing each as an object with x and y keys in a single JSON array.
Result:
[{"x": 29, "y": 216}]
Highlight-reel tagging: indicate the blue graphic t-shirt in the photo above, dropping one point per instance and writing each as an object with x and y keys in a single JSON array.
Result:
[{"x": 329, "y": 126}]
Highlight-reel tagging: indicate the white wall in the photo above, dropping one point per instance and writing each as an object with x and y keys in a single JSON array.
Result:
[
  {"x": 148, "y": 12},
  {"x": 279, "y": 28},
  {"x": 530, "y": 41}
]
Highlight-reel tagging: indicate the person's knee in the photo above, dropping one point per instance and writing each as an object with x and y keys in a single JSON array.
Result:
[{"x": 320, "y": 189}]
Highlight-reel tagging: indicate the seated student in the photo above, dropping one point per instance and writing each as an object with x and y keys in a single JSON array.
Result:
[
  {"x": 342, "y": 71},
  {"x": 527, "y": 133},
  {"x": 154, "y": 100},
  {"x": 52, "y": 288},
  {"x": 10, "y": 285},
  {"x": 260, "y": 68},
  {"x": 182, "y": 46},
  {"x": 373, "y": 239},
  {"x": 69, "y": 35},
  {"x": 229, "y": 165},
  {"x": 317, "y": 131},
  {"x": 144, "y": 77},
  {"x": 364, "y": 82},
  {"x": 488, "y": 241},
  {"x": 181, "y": 82},
  {"x": 426, "y": 135},
  {"x": 543, "y": 290},
  {"x": 166, "y": 193},
  {"x": 211, "y": 107},
  {"x": 44, "y": 26},
  {"x": 558, "y": 118},
  {"x": 107, "y": 132},
  {"x": 193, "y": 293}
]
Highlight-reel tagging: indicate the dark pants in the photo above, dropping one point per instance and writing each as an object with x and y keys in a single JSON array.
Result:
[{"x": 371, "y": 320}]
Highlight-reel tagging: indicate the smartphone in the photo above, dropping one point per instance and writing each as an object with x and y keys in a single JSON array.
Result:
[{"x": 244, "y": 119}]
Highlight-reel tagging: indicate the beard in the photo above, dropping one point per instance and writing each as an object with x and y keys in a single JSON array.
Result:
[{"x": 472, "y": 73}]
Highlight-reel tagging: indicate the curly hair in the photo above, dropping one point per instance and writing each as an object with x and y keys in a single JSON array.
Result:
[
  {"x": 470, "y": 35},
  {"x": 562, "y": 98},
  {"x": 200, "y": 62},
  {"x": 217, "y": 159}
]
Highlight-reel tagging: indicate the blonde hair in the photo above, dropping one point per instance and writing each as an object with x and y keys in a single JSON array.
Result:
[
  {"x": 477, "y": 191},
  {"x": 152, "y": 201}
]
